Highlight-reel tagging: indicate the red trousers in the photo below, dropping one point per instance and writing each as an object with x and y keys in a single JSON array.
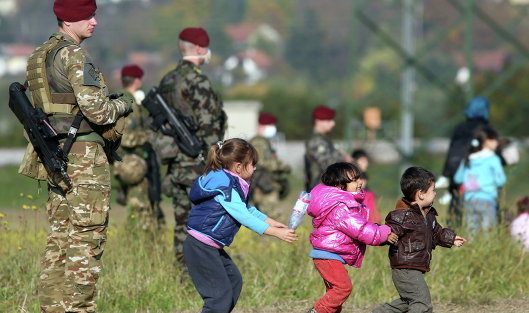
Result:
[{"x": 338, "y": 285}]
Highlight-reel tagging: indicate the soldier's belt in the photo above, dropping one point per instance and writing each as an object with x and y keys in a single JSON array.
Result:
[
  {"x": 80, "y": 147},
  {"x": 62, "y": 124}
]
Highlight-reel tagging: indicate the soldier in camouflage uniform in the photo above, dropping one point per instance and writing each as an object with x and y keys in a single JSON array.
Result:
[
  {"x": 319, "y": 149},
  {"x": 131, "y": 172},
  {"x": 63, "y": 79},
  {"x": 270, "y": 180},
  {"x": 189, "y": 90}
]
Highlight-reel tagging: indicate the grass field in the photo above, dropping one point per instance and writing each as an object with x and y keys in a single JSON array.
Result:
[{"x": 139, "y": 275}]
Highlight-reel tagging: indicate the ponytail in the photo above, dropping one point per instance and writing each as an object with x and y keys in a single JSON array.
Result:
[
  {"x": 224, "y": 153},
  {"x": 213, "y": 161}
]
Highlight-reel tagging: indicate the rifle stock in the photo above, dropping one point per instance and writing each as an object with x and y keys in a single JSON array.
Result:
[
  {"x": 172, "y": 123},
  {"x": 41, "y": 135}
]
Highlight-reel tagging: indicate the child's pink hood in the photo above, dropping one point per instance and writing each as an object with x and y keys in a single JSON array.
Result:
[{"x": 341, "y": 224}]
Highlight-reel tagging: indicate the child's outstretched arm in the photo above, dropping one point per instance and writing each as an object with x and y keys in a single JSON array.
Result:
[
  {"x": 459, "y": 241},
  {"x": 393, "y": 238},
  {"x": 359, "y": 228},
  {"x": 275, "y": 223},
  {"x": 284, "y": 234}
]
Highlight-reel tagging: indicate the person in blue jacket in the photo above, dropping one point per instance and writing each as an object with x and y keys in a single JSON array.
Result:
[
  {"x": 220, "y": 198},
  {"x": 480, "y": 175}
]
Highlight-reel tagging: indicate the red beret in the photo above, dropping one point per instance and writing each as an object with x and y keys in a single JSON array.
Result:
[
  {"x": 74, "y": 10},
  {"x": 267, "y": 119},
  {"x": 196, "y": 35},
  {"x": 132, "y": 70},
  {"x": 323, "y": 113}
]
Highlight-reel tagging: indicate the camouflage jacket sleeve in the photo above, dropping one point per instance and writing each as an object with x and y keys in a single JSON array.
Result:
[
  {"x": 89, "y": 87},
  {"x": 207, "y": 108},
  {"x": 322, "y": 151}
]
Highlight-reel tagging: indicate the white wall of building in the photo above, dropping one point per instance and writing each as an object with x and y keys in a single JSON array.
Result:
[{"x": 242, "y": 118}]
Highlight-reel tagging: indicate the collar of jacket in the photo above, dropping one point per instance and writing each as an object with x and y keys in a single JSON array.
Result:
[
  {"x": 190, "y": 64},
  {"x": 403, "y": 204},
  {"x": 65, "y": 37}
]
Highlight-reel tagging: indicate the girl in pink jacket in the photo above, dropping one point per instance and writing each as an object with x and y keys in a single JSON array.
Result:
[{"x": 341, "y": 232}]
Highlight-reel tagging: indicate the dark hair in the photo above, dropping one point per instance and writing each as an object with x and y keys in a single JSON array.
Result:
[
  {"x": 414, "y": 179},
  {"x": 359, "y": 153},
  {"x": 60, "y": 22},
  {"x": 483, "y": 134},
  {"x": 523, "y": 204},
  {"x": 340, "y": 174},
  {"x": 363, "y": 176},
  {"x": 126, "y": 81},
  {"x": 224, "y": 153}
]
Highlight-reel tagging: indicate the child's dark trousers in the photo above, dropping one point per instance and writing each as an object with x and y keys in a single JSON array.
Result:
[
  {"x": 413, "y": 291},
  {"x": 215, "y": 276}
]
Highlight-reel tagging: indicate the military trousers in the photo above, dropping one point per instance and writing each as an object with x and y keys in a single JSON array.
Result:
[
  {"x": 78, "y": 220},
  {"x": 181, "y": 206},
  {"x": 268, "y": 203},
  {"x": 141, "y": 211}
]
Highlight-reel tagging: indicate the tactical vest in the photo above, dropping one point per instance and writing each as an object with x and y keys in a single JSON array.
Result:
[
  {"x": 60, "y": 104},
  {"x": 170, "y": 87}
]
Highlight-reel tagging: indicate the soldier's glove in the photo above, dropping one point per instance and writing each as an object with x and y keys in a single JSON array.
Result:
[{"x": 115, "y": 96}]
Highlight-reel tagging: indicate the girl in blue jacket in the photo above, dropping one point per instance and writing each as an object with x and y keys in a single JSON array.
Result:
[
  {"x": 480, "y": 175},
  {"x": 220, "y": 198}
]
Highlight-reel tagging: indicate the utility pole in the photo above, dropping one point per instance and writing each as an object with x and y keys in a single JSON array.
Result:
[{"x": 408, "y": 80}]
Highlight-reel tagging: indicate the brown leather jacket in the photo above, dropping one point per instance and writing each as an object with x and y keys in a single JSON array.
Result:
[{"x": 418, "y": 235}]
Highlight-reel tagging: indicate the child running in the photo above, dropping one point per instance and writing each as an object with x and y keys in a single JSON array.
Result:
[
  {"x": 414, "y": 221},
  {"x": 341, "y": 232},
  {"x": 481, "y": 174},
  {"x": 220, "y": 207}
]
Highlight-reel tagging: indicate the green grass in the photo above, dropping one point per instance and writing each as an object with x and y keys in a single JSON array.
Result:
[{"x": 139, "y": 275}]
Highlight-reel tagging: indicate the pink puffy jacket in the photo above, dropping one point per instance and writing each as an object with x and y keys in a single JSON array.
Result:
[{"x": 341, "y": 224}]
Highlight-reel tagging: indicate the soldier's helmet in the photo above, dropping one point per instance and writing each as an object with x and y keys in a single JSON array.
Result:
[{"x": 131, "y": 170}]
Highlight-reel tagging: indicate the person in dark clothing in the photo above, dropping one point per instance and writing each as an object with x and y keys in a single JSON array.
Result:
[{"x": 477, "y": 117}]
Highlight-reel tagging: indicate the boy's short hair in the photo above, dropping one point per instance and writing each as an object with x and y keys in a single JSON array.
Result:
[
  {"x": 359, "y": 153},
  {"x": 414, "y": 179}
]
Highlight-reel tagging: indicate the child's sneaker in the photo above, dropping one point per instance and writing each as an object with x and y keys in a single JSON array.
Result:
[{"x": 312, "y": 310}]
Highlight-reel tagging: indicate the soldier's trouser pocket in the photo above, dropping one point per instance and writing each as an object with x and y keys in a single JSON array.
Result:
[{"x": 89, "y": 204}]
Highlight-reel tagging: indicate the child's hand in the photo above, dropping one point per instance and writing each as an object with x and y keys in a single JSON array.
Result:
[
  {"x": 284, "y": 234},
  {"x": 459, "y": 241},
  {"x": 275, "y": 223},
  {"x": 393, "y": 238}
]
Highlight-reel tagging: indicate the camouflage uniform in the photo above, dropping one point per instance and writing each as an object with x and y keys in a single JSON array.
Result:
[
  {"x": 190, "y": 91},
  {"x": 270, "y": 181},
  {"x": 78, "y": 217},
  {"x": 136, "y": 194},
  {"x": 319, "y": 153}
]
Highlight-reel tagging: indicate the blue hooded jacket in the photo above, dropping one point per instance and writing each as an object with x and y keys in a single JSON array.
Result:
[
  {"x": 482, "y": 178},
  {"x": 221, "y": 207}
]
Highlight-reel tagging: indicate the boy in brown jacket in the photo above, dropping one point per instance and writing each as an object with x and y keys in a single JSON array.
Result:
[{"x": 414, "y": 221}]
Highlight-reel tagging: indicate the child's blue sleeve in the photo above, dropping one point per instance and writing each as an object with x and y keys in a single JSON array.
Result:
[
  {"x": 499, "y": 174},
  {"x": 247, "y": 217},
  {"x": 260, "y": 215}
]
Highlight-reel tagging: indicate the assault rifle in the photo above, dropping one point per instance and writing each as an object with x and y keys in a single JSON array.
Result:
[
  {"x": 173, "y": 123},
  {"x": 41, "y": 135},
  {"x": 155, "y": 183}
]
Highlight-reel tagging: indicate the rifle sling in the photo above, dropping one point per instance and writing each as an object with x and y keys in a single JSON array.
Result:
[{"x": 72, "y": 132}]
